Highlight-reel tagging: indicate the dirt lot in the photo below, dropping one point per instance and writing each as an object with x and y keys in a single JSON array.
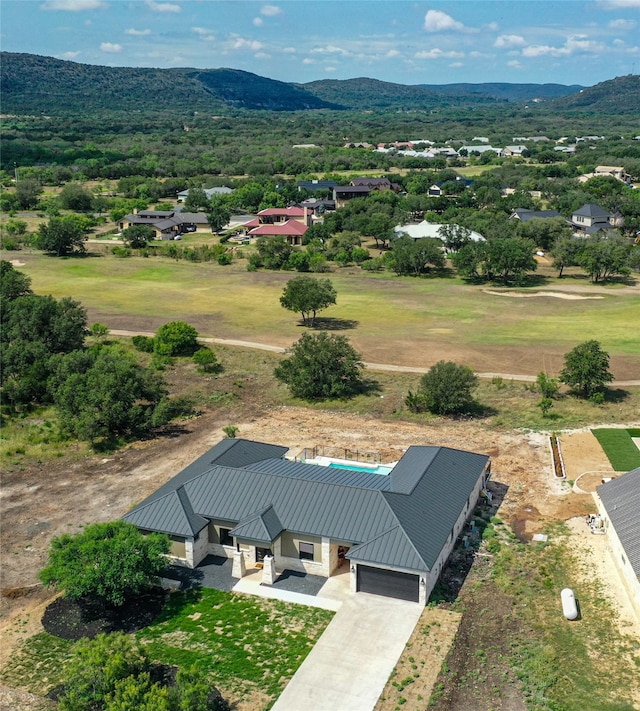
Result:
[{"x": 46, "y": 500}]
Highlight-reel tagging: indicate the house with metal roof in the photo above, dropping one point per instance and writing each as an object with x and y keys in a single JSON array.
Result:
[
  {"x": 619, "y": 506},
  {"x": 591, "y": 218},
  {"x": 245, "y": 500}
]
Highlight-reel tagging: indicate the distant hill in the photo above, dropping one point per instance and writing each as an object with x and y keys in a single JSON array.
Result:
[
  {"x": 506, "y": 92},
  {"x": 615, "y": 96},
  {"x": 33, "y": 84},
  {"x": 365, "y": 93}
]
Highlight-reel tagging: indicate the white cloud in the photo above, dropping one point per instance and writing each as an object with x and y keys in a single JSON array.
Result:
[
  {"x": 137, "y": 33},
  {"x": 257, "y": 21},
  {"x": 330, "y": 49},
  {"x": 202, "y": 31},
  {"x": 110, "y": 47},
  {"x": 438, "y": 21},
  {"x": 575, "y": 44},
  {"x": 308, "y": 60},
  {"x": 622, "y": 24},
  {"x": 330, "y": 69},
  {"x": 437, "y": 53},
  {"x": 242, "y": 43},
  {"x": 270, "y": 10},
  {"x": 618, "y": 4},
  {"x": 508, "y": 41},
  {"x": 514, "y": 64},
  {"x": 68, "y": 55},
  {"x": 456, "y": 65},
  {"x": 290, "y": 50},
  {"x": 72, "y": 5},
  {"x": 492, "y": 26},
  {"x": 393, "y": 53},
  {"x": 163, "y": 6}
]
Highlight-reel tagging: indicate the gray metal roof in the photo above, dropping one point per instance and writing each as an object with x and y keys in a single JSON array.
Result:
[
  {"x": 429, "y": 513},
  {"x": 405, "y": 524},
  {"x": 621, "y": 499},
  {"x": 393, "y": 544},
  {"x": 303, "y": 506},
  {"x": 592, "y": 210},
  {"x": 229, "y": 452},
  {"x": 314, "y": 472},
  {"x": 171, "y": 514},
  {"x": 263, "y": 527}
]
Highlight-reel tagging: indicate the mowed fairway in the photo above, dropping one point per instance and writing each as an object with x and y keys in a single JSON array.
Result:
[{"x": 402, "y": 321}]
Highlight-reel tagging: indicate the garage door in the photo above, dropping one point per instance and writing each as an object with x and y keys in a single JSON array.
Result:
[{"x": 391, "y": 583}]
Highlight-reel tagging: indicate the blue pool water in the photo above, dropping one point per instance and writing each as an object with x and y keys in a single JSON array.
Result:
[{"x": 380, "y": 469}]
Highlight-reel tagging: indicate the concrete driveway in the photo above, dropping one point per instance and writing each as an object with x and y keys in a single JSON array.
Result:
[{"x": 349, "y": 666}]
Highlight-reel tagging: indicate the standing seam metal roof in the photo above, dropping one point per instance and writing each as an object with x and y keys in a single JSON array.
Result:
[
  {"x": 621, "y": 499},
  {"x": 405, "y": 526}
]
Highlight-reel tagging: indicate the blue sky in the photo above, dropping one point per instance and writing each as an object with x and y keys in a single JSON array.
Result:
[{"x": 567, "y": 41}]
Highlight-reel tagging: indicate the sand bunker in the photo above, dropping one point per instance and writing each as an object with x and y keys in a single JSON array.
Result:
[
  {"x": 554, "y": 294},
  {"x": 17, "y": 263}
]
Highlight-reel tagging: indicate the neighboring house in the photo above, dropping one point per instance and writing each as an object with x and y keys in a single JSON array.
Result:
[
  {"x": 318, "y": 206},
  {"x": 591, "y": 218},
  {"x": 313, "y": 185},
  {"x": 167, "y": 224},
  {"x": 514, "y": 150},
  {"x": 524, "y": 215},
  {"x": 437, "y": 191},
  {"x": 209, "y": 192},
  {"x": 343, "y": 193},
  {"x": 375, "y": 184},
  {"x": 470, "y": 150},
  {"x": 426, "y": 229},
  {"x": 619, "y": 505},
  {"x": 244, "y": 500},
  {"x": 289, "y": 222},
  {"x": 613, "y": 171}
]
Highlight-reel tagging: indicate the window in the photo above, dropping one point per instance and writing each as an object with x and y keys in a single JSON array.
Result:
[
  {"x": 225, "y": 538},
  {"x": 306, "y": 551}
]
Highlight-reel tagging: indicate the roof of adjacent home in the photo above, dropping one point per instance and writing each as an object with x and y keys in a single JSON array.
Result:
[
  {"x": 290, "y": 227},
  {"x": 621, "y": 499},
  {"x": 591, "y": 210},
  {"x": 525, "y": 215},
  {"x": 401, "y": 520}
]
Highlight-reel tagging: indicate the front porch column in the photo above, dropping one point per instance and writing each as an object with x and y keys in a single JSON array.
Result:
[
  {"x": 269, "y": 570},
  {"x": 238, "y": 570}
]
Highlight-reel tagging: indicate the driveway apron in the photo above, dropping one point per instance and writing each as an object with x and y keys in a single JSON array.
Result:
[{"x": 351, "y": 662}]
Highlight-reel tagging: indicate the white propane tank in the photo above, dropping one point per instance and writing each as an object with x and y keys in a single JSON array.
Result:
[{"x": 569, "y": 606}]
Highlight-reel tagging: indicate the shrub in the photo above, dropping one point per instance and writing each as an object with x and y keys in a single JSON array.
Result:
[
  {"x": 206, "y": 360},
  {"x": 176, "y": 338},
  {"x": 143, "y": 343}
]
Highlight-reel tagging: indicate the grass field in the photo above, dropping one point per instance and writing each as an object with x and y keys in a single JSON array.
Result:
[
  {"x": 389, "y": 319},
  {"x": 571, "y": 666},
  {"x": 240, "y": 642},
  {"x": 620, "y": 449}
]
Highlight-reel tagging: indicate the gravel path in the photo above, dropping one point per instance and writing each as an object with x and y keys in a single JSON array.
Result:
[{"x": 371, "y": 366}]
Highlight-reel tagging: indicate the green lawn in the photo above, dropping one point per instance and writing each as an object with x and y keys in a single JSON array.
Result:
[
  {"x": 620, "y": 449},
  {"x": 242, "y": 643},
  {"x": 382, "y": 309}
]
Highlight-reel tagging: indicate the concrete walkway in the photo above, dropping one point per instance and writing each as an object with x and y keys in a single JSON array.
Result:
[{"x": 351, "y": 662}]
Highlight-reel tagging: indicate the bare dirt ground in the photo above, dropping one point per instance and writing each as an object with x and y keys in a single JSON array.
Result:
[{"x": 44, "y": 501}]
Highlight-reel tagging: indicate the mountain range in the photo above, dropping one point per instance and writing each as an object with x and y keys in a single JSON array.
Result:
[{"x": 32, "y": 84}]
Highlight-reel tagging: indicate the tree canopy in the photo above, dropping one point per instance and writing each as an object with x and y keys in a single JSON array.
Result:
[
  {"x": 586, "y": 368},
  {"x": 321, "y": 366},
  {"x": 62, "y": 236},
  {"x": 446, "y": 389},
  {"x": 308, "y": 295},
  {"x": 137, "y": 236},
  {"x": 110, "y": 562},
  {"x": 176, "y": 338},
  {"x": 103, "y": 393}
]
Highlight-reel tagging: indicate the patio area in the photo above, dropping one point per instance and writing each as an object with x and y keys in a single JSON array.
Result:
[{"x": 290, "y": 585}]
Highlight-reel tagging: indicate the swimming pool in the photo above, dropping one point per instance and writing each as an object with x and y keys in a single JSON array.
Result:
[{"x": 377, "y": 469}]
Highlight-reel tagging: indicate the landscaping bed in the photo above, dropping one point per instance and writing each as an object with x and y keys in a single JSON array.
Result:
[{"x": 75, "y": 619}]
